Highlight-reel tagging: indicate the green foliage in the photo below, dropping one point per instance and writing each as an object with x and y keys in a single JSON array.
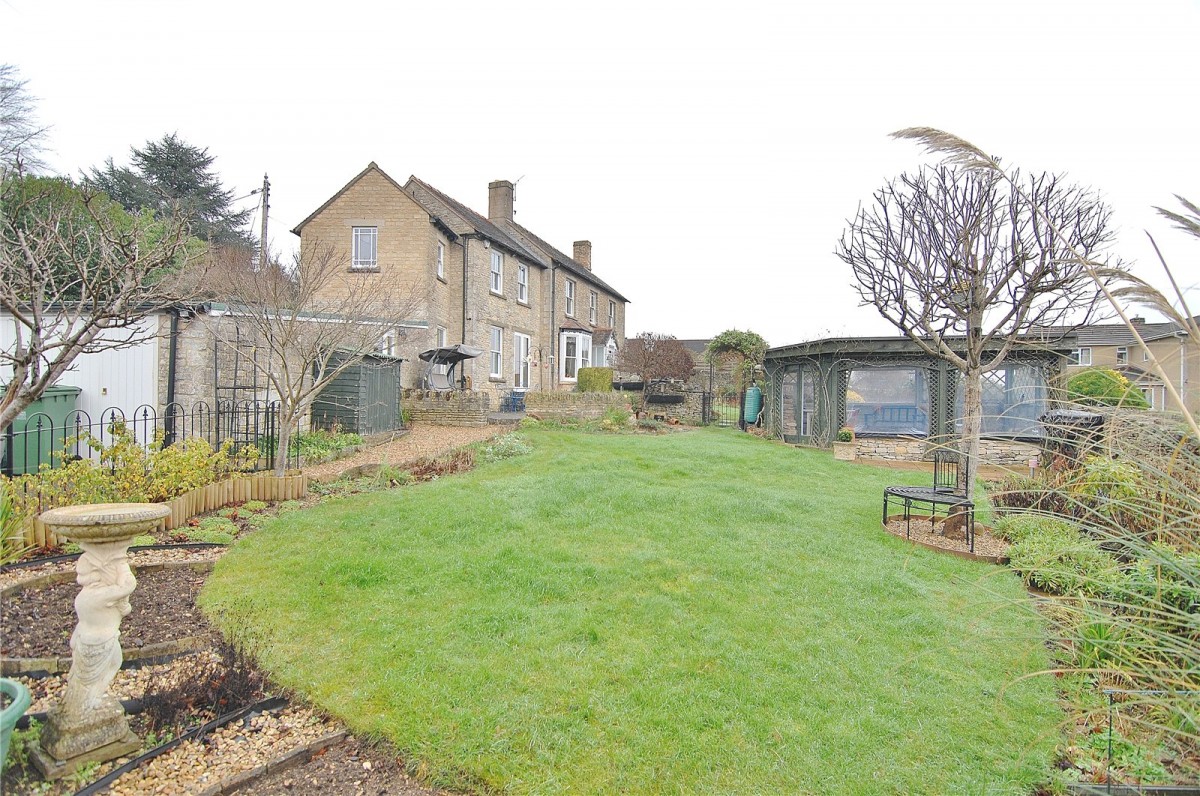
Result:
[
  {"x": 1056, "y": 558},
  {"x": 144, "y": 540},
  {"x": 1105, "y": 387},
  {"x": 595, "y": 379},
  {"x": 615, "y": 418},
  {"x": 218, "y": 523},
  {"x": 747, "y": 345},
  {"x": 649, "y": 424},
  {"x": 127, "y": 472},
  {"x": 209, "y": 536},
  {"x": 168, "y": 176},
  {"x": 313, "y": 445},
  {"x": 504, "y": 447},
  {"x": 12, "y": 523},
  {"x": 254, "y": 505},
  {"x": 845, "y": 434}
]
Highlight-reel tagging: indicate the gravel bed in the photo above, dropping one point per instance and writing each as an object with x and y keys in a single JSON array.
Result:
[
  {"x": 349, "y": 768},
  {"x": 924, "y": 531},
  {"x": 420, "y": 441}
]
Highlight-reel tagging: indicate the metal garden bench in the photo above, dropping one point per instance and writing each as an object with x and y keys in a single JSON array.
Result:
[{"x": 947, "y": 490}]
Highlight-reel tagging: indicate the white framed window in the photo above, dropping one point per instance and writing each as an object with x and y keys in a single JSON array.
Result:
[
  {"x": 523, "y": 283},
  {"x": 576, "y": 350},
  {"x": 1122, "y": 355},
  {"x": 496, "y": 370},
  {"x": 1080, "y": 356},
  {"x": 365, "y": 245},
  {"x": 439, "y": 341},
  {"x": 441, "y": 260},
  {"x": 612, "y": 315},
  {"x": 387, "y": 345},
  {"x": 497, "y": 272},
  {"x": 569, "y": 292},
  {"x": 521, "y": 360},
  {"x": 593, "y": 307}
]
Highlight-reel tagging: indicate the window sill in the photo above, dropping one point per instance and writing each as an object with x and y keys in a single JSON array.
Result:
[
  {"x": 524, "y": 303},
  {"x": 364, "y": 270},
  {"x": 497, "y": 379},
  {"x": 497, "y": 295},
  {"x": 442, "y": 279}
]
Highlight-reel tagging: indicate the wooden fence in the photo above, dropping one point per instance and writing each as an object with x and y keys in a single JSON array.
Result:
[{"x": 253, "y": 486}]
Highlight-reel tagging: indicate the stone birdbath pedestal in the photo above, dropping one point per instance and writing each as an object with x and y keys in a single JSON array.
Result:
[{"x": 88, "y": 724}]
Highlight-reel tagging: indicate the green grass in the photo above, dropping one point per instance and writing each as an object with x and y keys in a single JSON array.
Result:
[{"x": 687, "y": 613}]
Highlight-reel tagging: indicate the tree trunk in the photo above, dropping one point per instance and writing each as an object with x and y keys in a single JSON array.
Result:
[
  {"x": 284, "y": 438},
  {"x": 972, "y": 426}
]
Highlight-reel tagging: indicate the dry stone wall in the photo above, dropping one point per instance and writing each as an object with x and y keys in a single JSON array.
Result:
[
  {"x": 447, "y": 408},
  {"x": 573, "y": 405}
]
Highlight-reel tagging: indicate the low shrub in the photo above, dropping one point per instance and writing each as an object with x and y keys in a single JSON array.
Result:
[
  {"x": 615, "y": 418},
  {"x": 595, "y": 379},
  {"x": 1055, "y": 557},
  {"x": 209, "y": 536},
  {"x": 254, "y": 505},
  {"x": 504, "y": 447}
]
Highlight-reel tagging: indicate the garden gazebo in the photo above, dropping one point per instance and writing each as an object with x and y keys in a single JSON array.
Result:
[{"x": 901, "y": 402}]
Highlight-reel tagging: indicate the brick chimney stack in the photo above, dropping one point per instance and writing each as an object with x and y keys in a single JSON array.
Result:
[
  {"x": 500, "y": 201},
  {"x": 583, "y": 253}
]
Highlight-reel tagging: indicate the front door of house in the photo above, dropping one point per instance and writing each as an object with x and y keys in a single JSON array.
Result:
[{"x": 521, "y": 361}]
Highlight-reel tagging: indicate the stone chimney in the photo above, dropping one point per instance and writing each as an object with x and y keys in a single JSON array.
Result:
[
  {"x": 583, "y": 253},
  {"x": 500, "y": 201}
]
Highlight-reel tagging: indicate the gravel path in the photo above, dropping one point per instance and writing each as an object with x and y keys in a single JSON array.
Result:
[{"x": 420, "y": 441}]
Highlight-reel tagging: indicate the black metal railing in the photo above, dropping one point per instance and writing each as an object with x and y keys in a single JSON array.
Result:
[{"x": 43, "y": 440}]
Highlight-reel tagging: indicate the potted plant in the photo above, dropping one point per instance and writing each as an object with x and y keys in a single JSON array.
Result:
[{"x": 843, "y": 445}]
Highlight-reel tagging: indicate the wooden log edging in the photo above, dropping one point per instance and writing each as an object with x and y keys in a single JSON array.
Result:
[{"x": 253, "y": 486}]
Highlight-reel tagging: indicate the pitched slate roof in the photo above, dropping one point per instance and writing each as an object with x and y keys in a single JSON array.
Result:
[
  {"x": 465, "y": 221},
  {"x": 559, "y": 259}
]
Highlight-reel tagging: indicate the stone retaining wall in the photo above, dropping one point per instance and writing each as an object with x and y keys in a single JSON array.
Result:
[
  {"x": 580, "y": 405},
  {"x": 457, "y": 408},
  {"x": 916, "y": 449}
]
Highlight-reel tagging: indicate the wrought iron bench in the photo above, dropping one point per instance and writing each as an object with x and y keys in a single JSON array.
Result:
[{"x": 948, "y": 490}]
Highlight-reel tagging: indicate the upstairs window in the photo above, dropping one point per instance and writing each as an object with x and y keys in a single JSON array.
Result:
[
  {"x": 497, "y": 272},
  {"x": 523, "y": 283},
  {"x": 1122, "y": 355},
  {"x": 441, "y": 260},
  {"x": 365, "y": 248},
  {"x": 569, "y": 290},
  {"x": 593, "y": 307},
  {"x": 612, "y": 315},
  {"x": 1080, "y": 356}
]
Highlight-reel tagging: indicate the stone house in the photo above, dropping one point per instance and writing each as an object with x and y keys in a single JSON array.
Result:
[
  {"x": 1111, "y": 345},
  {"x": 486, "y": 282}
]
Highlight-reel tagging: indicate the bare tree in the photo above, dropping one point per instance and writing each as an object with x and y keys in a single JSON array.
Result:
[
  {"x": 79, "y": 275},
  {"x": 20, "y": 135},
  {"x": 652, "y": 356},
  {"x": 313, "y": 320},
  {"x": 968, "y": 266}
]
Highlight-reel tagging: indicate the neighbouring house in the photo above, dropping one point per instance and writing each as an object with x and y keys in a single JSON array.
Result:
[
  {"x": 902, "y": 403},
  {"x": 1112, "y": 345},
  {"x": 538, "y": 314}
]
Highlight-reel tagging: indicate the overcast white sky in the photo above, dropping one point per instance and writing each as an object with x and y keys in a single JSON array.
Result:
[{"x": 711, "y": 152}]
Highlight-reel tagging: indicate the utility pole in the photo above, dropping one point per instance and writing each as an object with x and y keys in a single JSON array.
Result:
[{"x": 266, "y": 206}]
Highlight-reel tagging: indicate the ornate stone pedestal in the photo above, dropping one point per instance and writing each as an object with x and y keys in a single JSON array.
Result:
[{"x": 88, "y": 724}]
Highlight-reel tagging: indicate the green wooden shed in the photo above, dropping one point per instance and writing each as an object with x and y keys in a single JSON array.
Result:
[{"x": 363, "y": 399}]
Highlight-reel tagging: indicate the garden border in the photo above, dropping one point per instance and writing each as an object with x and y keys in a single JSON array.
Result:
[
  {"x": 131, "y": 658},
  {"x": 254, "y": 486},
  {"x": 1001, "y": 560}
]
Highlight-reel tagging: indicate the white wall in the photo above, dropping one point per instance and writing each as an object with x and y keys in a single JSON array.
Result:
[{"x": 125, "y": 378}]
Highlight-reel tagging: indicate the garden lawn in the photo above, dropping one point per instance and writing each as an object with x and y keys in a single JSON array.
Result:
[{"x": 702, "y": 612}]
